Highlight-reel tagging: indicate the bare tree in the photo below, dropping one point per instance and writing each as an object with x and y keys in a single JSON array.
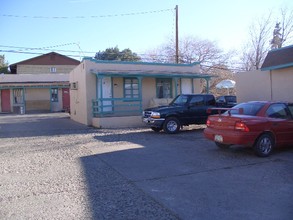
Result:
[
  {"x": 286, "y": 23},
  {"x": 191, "y": 49},
  {"x": 254, "y": 52},
  {"x": 261, "y": 41}
]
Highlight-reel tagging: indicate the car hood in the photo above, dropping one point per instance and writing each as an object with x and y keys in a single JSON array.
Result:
[{"x": 163, "y": 108}]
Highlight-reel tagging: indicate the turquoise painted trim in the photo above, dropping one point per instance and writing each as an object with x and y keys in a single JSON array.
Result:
[
  {"x": 139, "y": 63},
  {"x": 152, "y": 75},
  {"x": 176, "y": 87},
  {"x": 98, "y": 107},
  {"x": 51, "y": 99},
  {"x": 140, "y": 92},
  {"x": 24, "y": 100},
  {"x": 97, "y": 86},
  {"x": 131, "y": 89},
  {"x": 277, "y": 67},
  {"x": 32, "y": 87},
  {"x": 208, "y": 86},
  {"x": 101, "y": 91}
]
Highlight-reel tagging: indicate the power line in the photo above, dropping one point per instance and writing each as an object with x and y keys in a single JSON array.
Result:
[
  {"x": 49, "y": 48},
  {"x": 32, "y": 53},
  {"x": 84, "y": 17}
]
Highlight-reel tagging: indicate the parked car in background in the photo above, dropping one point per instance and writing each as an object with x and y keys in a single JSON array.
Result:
[
  {"x": 226, "y": 101},
  {"x": 262, "y": 125}
]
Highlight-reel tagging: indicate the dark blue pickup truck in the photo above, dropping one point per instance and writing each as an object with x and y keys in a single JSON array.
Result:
[{"x": 184, "y": 110}]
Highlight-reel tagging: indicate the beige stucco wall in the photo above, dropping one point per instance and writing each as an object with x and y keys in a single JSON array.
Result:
[
  {"x": 41, "y": 69},
  {"x": 78, "y": 101},
  {"x": 32, "y": 94},
  {"x": 118, "y": 122},
  {"x": 282, "y": 84},
  {"x": 39, "y": 99},
  {"x": 142, "y": 67},
  {"x": 265, "y": 85}
]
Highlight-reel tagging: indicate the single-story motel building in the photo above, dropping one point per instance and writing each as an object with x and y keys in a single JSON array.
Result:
[{"x": 112, "y": 94}]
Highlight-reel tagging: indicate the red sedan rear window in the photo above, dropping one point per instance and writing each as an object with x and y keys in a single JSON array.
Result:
[
  {"x": 248, "y": 108},
  {"x": 290, "y": 106}
]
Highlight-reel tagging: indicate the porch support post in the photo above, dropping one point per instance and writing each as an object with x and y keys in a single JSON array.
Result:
[
  {"x": 140, "y": 92},
  {"x": 192, "y": 85},
  {"x": 50, "y": 88},
  {"x": 176, "y": 86},
  {"x": 97, "y": 87},
  {"x": 100, "y": 97},
  {"x": 208, "y": 85},
  {"x": 24, "y": 100}
]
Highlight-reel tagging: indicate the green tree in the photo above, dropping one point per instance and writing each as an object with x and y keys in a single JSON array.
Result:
[
  {"x": 117, "y": 55},
  {"x": 3, "y": 65}
]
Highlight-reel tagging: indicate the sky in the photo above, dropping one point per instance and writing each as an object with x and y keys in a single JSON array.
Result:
[{"x": 80, "y": 28}]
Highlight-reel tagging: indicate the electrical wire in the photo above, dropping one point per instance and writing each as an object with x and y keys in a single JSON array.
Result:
[
  {"x": 84, "y": 17},
  {"x": 144, "y": 57}
]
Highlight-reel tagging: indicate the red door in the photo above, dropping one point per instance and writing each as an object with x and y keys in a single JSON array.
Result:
[
  {"x": 66, "y": 99},
  {"x": 5, "y": 100}
]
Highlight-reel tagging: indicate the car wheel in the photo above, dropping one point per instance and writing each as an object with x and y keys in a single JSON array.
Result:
[
  {"x": 223, "y": 146},
  {"x": 264, "y": 145},
  {"x": 156, "y": 129},
  {"x": 171, "y": 125}
]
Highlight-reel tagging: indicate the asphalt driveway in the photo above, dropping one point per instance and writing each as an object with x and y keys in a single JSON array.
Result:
[{"x": 54, "y": 168}]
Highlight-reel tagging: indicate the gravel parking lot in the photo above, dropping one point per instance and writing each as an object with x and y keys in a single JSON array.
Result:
[{"x": 54, "y": 168}]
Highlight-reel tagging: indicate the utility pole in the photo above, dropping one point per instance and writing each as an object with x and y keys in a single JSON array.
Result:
[{"x": 177, "y": 40}]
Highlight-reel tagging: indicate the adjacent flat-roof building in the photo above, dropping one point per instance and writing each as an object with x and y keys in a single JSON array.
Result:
[
  {"x": 272, "y": 82},
  {"x": 37, "y": 84}
]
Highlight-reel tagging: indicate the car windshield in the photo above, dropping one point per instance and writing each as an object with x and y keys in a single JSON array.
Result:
[
  {"x": 180, "y": 100},
  {"x": 251, "y": 108},
  {"x": 231, "y": 99}
]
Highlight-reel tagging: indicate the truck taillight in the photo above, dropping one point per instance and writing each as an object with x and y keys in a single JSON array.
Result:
[{"x": 241, "y": 126}]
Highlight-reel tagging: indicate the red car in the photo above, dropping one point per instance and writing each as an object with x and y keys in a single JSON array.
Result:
[{"x": 262, "y": 125}]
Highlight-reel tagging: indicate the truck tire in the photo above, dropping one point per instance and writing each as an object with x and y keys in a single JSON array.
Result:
[{"x": 171, "y": 125}]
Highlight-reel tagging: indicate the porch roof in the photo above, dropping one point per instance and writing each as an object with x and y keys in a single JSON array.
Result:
[
  {"x": 153, "y": 74},
  {"x": 33, "y": 80}
]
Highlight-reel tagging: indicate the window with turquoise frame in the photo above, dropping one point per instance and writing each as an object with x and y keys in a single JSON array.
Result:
[
  {"x": 131, "y": 89},
  {"x": 18, "y": 96},
  {"x": 54, "y": 95},
  {"x": 164, "y": 88}
]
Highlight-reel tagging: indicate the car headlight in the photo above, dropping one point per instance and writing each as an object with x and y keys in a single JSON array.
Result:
[{"x": 155, "y": 115}]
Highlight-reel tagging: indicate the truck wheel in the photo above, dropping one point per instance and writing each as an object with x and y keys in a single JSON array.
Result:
[
  {"x": 155, "y": 129},
  {"x": 171, "y": 125},
  {"x": 264, "y": 145}
]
